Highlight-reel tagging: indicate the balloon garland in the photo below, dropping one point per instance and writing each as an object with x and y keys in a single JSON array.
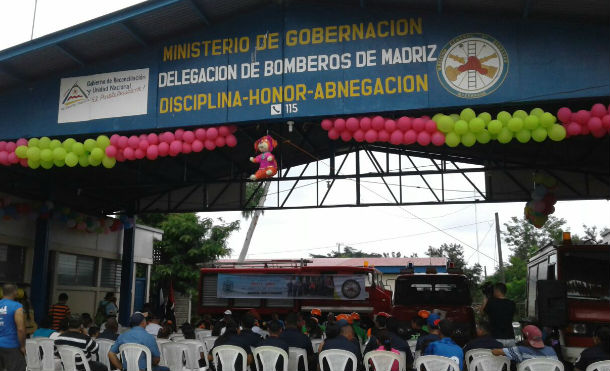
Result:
[
  {"x": 106, "y": 151},
  {"x": 543, "y": 201},
  {"x": 596, "y": 121}
]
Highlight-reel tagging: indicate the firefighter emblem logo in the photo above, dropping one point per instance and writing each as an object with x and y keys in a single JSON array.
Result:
[
  {"x": 351, "y": 289},
  {"x": 472, "y": 65}
]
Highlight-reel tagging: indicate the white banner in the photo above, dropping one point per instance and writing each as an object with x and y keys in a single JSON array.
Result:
[{"x": 105, "y": 95}]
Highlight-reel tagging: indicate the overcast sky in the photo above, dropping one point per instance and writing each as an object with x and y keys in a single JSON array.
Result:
[{"x": 296, "y": 233}]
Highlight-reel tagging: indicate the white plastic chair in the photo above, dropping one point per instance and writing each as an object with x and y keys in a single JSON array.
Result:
[
  {"x": 174, "y": 354},
  {"x": 475, "y": 353},
  {"x": 130, "y": 353},
  {"x": 403, "y": 356},
  {"x": 599, "y": 366},
  {"x": 48, "y": 355},
  {"x": 540, "y": 364},
  {"x": 208, "y": 344},
  {"x": 436, "y": 363},
  {"x": 227, "y": 355},
  {"x": 176, "y": 337},
  {"x": 315, "y": 343},
  {"x": 337, "y": 359},
  {"x": 201, "y": 334},
  {"x": 489, "y": 363},
  {"x": 161, "y": 341},
  {"x": 296, "y": 354},
  {"x": 32, "y": 355},
  {"x": 264, "y": 334},
  {"x": 382, "y": 360},
  {"x": 195, "y": 348},
  {"x": 104, "y": 347},
  {"x": 68, "y": 355},
  {"x": 267, "y": 357}
]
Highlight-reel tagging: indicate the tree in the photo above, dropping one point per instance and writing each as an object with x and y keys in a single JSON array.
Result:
[
  {"x": 348, "y": 252},
  {"x": 254, "y": 193},
  {"x": 591, "y": 235},
  {"x": 524, "y": 239}
]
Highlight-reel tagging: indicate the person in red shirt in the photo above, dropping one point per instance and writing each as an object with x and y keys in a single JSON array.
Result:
[{"x": 59, "y": 311}]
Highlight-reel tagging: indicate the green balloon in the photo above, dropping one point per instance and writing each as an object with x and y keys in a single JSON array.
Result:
[
  {"x": 445, "y": 124},
  {"x": 436, "y": 117},
  {"x": 539, "y": 135},
  {"x": 455, "y": 117},
  {"x": 54, "y": 144},
  {"x": 46, "y": 164},
  {"x": 520, "y": 114},
  {"x": 476, "y": 125},
  {"x": 78, "y": 148},
  {"x": 523, "y": 135},
  {"x": 21, "y": 151},
  {"x": 531, "y": 122},
  {"x": 44, "y": 143},
  {"x": 515, "y": 124},
  {"x": 59, "y": 163},
  {"x": 460, "y": 127},
  {"x": 94, "y": 161},
  {"x": 557, "y": 132},
  {"x": 96, "y": 154},
  {"x": 469, "y": 139},
  {"x": 494, "y": 126},
  {"x": 452, "y": 139},
  {"x": 59, "y": 154},
  {"x": 33, "y": 164},
  {"x": 83, "y": 160},
  {"x": 108, "y": 162},
  {"x": 46, "y": 155},
  {"x": 90, "y": 144},
  {"x": 537, "y": 112},
  {"x": 33, "y": 142},
  {"x": 485, "y": 116},
  {"x": 503, "y": 117},
  {"x": 103, "y": 141},
  {"x": 467, "y": 114},
  {"x": 68, "y": 143},
  {"x": 547, "y": 120},
  {"x": 33, "y": 154},
  {"x": 483, "y": 137},
  {"x": 71, "y": 159},
  {"x": 505, "y": 136}
]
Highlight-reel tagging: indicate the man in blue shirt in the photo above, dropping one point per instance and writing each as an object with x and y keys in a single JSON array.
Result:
[
  {"x": 533, "y": 347},
  {"x": 295, "y": 338},
  {"x": 446, "y": 347},
  {"x": 433, "y": 335},
  {"x": 137, "y": 335},
  {"x": 273, "y": 340},
  {"x": 345, "y": 341},
  {"x": 12, "y": 330}
]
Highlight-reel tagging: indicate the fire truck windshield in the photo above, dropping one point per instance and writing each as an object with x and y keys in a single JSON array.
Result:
[
  {"x": 432, "y": 290},
  {"x": 586, "y": 275}
]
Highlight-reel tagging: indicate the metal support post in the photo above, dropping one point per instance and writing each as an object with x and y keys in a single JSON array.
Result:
[
  {"x": 127, "y": 269},
  {"x": 39, "y": 291}
]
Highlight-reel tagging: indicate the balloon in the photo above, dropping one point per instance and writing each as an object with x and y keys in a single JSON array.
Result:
[
  {"x": 452, "y": 139},
  {"x": 167, "y": 137},
  {"x": 423, "y": 138},
  {"x": 163, "y": 149},
  {"x": 103, "y": 141},
  {"x": 12, "y": 158},
  {"x": 584, "y": 130},
  {"x": 133, "y": 142},
  {"x": 377, "y": 123},
  {"x": 359, "y": 135},
  {"x": 4, "y": 158},
  {"x": 143, "y": 145},
  {"x": 78, "y": 148},
  {"x": 515, "y": 124},
  {"x": 90, "y": 144},
  {"x": 409, "y": 137},
  {"x": 505, "y": 135},
  {"x": 539, "y": 134},
  {"x": 523, "y": 135},
  {"x": 220, "y": 142},
  {"x": 71, "y": 159},
  {"x": 94, "y": 161},
  {"x": 454, "y": 116},
  {"x": 574, "y": 129},
  {"x": 467, "y": 114},
  {"x": 96, "y": 154},
  {"x": 383, "y": 136},
  {"x": 22, "y": 142},
  {"x": 46, "y": 164},
  {"x": 129, "y": 153},
  {"x": 200, "y": 133},
  {"x": 582, "y": 117},
  {"x": 557, "y": 132},
  {"x": 598, "y": 110},
  {"x": 370, "y": 136},
  {"x": 564, "y": 115},
  {"x": 404, "y": 123},
  {"x": 33, "y": 164},
  {"x": 445, "y": 124},
  {"x": 339, "y": 125},
  {"x": 418, "y": 124},
  {"x": 231, "y": 140},
  {"x": 111, "y": 151},
  {"x": 114, "y": 140},
  {"x": 483, "y": 137},
  {"x": 461, "y": 127},
  {"x": 346, "y": 136},
  {"x": 537, "y": 112},
  {"x": 485, "y": 116},
  {"x": 46, "y": 155},
  {"x": 600, "y": 133},
  {"x": 547, "y": 120},
  {"x": 333, "y": 134},
  {"x": 59, "y": 154},
  {"x": 189, "y": 136},
  {"x": 178, "y": 134},
  {"x": 55, "y": 143},
  {"x": 33, "y": 142},
  {"x": 390, "y": 125},
  {"x": 437, "y": 117},
  {"x": 494, "y": 126},
  {"x": 520, "y": 114},
  {"x": 186, "y": 147},
  {"x": 430, "y": 127},
  {"x": 209, "y": 145},
  {"x": 33, "y": 153},
  {"x": 22, "y": 152},
  {"x": 539, "y": 206},
  {"x": 606, "y": 122},
  {"x": 504, "y": 117},
  {"x": 224, "y": 131},
  {"x": 210, "y": 134},
  {"x": 43, "y": 143},
  {"x": 24, "y": 163},
  {"x": 476, "y": 125},
  {"x": 352, "y": 124},
  {"x": 469, "y": 139},
  {"x": 531, "y": 122},
  {"x": 176, "y": 147},
  {"x": 396, "y": 137},
  {"x": 83, "y": 160},
  {"x": 197, "y": 145},
  {"x": 108, "y": 162},
  {"x": 437, "y": 139},
  {"x": 152, "y": 152},
  {"x": 139, "y": 153},
  {"x": 595, "y": 124},
  {"x": 2, "y": 146}
]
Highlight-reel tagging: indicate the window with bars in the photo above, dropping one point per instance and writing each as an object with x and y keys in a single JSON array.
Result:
[
  {"x": 76, "y": 270},
  {"x": 111, "y": 273}
]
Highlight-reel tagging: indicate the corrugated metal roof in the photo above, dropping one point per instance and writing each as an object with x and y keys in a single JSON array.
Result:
[{"x": 379, "y": 262}]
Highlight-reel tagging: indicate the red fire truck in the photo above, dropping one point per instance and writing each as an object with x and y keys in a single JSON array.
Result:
[
  {"x": 569, "y": 289},
  {"x": 283, "y": 286}
]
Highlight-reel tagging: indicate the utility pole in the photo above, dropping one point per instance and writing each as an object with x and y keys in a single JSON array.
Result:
[
  {"x": 499, "y": 242},
  {"x": 34, "y": 19},
  {"x": 253, "y": 222},
  {"x": 338, "y": 248}
]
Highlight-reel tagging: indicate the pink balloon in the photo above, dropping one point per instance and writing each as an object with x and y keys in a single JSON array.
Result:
[
  {"x": 175, "y": 148},
  {"x": 197, "y": 146},
  {"x": 4, "y": 158},
  {"x": 598, "y": 110},
  {"x": 23, "y": 162},
  {"x": 120, "y": 157},
  {"x": 114, "y": 139},
  {"x": 186, "y": 148},
  {"x": 404, "y": 123},
  {"x": 574, "y": 129},
  {"x": 178, "y": 134},
  {"x": 223, "y": 131},
  {"x": 339, "y": 125},
  {"x": 390, "y": 125},
  {"x": 211, "y": 134},
  {"x": 163, "y": 149},
  {"x": 425, "y": 117},
  {"x": 22, "y": 142},
  {"x": 595, "y": 124},
  {"x": 346, "y": 136},
  {"x": 582, "y": 117},
  {"x": 606, "y": 122},
  {"x": 200, "y": 134},
  {"x": 419, "y": 124},
  {"x": 143, "y": 137},
  {"x": 143, "y": 145},
  {"x": 378, "y": 123},
  {"x": 232, "y": 129},
  {"x": 584, "y": 130},
  {"x": 152, "y": 138},
  {"x": 371, "y": 136},
  {"x": 2, "y": 146},
  {"x": 209, "y": 145},
  {"x": 365, "y": 123},
  {"x": 410, "y": 137},
  {"x": 438, "y": 139},
  {"x": 539, "y": 206},
  {"x": 396, "y": 137},
  {"x": 129, "y": 153},
  {"x": 333, "y": 134},
  {"x": 123, "y": 142},
  {"x": 383, "y": 136},
  {"x": 10, "y": 146},
  {"x": 133, "y": 142},
  {"x": 152, "y": 152},
  {"x": 139, "y": 153},
  {"x": 423, "y": 138},
  {"x": 599, "y": 133},
  {"x": 12, "y": 158},
  {"x": 430, "y": 127},
  {"x": 359, "y": 136},
  {"x": 231, "y": 141},
  {"x": 352, "y": 124},
  {"x": 564, "y": 115},
  {"x": 168, "y": 137},
  {"x": 189, "y": 136},
  {"x": 220, "y": 142},
  {"x": 111, "y": 151},
  {"x": 326, "y": 124}
]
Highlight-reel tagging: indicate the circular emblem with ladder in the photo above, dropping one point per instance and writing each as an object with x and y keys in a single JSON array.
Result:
[{"x": 472, "y": 65}]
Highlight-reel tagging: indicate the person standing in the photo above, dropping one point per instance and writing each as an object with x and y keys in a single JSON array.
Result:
[
  {"x": 12, "y": 331},
  {"x": 59, "y": 311},
  {"x": 500, "y": 312}
]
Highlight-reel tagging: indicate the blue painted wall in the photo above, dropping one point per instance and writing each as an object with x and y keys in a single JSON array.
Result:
[{"x": 541, "y": 61}]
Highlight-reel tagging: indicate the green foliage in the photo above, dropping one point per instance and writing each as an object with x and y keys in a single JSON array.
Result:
[
  {"x": 591, "y": 235},
  {"x": 524, "y": 239},
  {"x": 347, "y": 252},
  {"x": 254, "y": 192}
]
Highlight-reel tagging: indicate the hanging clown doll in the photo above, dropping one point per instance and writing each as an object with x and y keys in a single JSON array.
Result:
[{"x": 267, "y": 165}]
